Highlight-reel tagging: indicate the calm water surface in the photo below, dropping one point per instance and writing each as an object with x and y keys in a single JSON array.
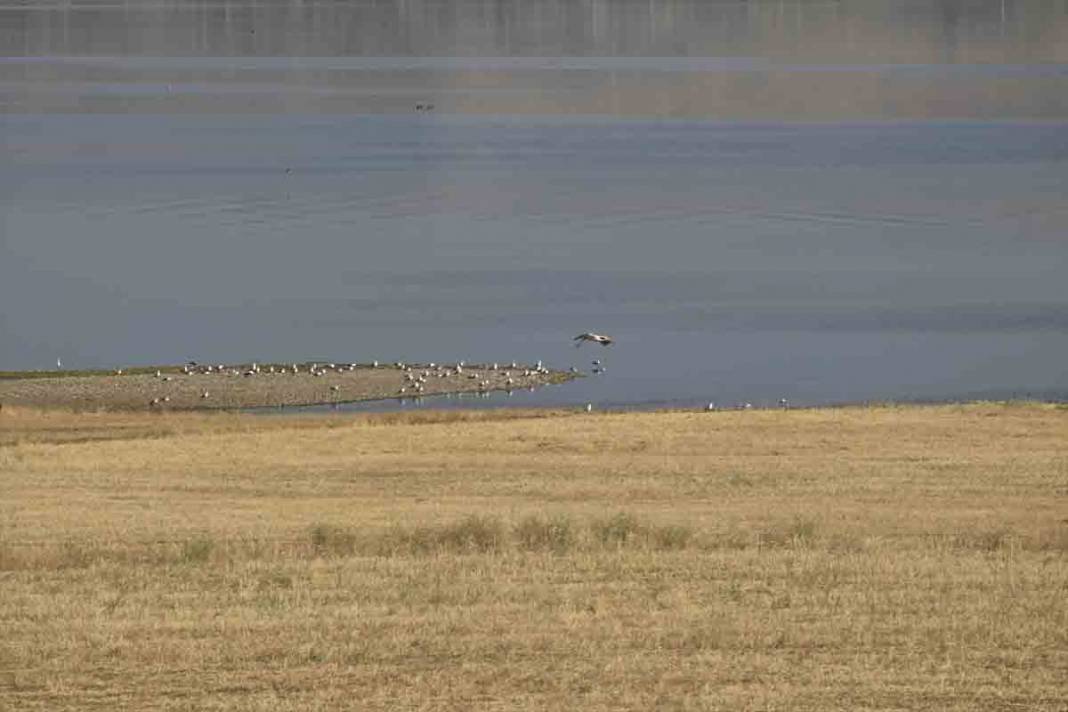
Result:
[{"x": 758, "y": 199}]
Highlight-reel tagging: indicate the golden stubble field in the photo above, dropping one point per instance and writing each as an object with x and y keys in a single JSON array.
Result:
[{"x": 862, "y": 558}]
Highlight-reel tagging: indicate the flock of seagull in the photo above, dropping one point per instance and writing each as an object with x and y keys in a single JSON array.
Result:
[
  {"x": 478, "y": 378},
  {"x": 511, "y": 374},
  {"x": 416, "y": 377}
]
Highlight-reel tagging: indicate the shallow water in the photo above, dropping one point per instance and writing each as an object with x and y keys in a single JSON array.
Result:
[{"x": 758, "y": 200}]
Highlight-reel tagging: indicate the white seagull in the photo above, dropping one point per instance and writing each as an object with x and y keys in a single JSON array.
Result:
[{"x": 596, "y": 338}]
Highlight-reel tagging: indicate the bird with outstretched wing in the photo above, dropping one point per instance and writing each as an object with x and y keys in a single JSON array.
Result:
[{"x": 595, "y": 338}]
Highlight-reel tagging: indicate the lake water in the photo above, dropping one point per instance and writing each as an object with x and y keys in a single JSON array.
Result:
[{"x": 756, "y": 199}]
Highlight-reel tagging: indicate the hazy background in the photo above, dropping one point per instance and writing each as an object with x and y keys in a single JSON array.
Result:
[{"x": 815, "y": 200}]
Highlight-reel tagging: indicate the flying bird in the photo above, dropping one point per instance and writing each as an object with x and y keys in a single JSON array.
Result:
[{"x": 596, "y": 338}]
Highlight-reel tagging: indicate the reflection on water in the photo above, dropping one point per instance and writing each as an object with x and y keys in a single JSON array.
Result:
[
  {"x": 897, "y": 31},
  {"x": 727, "y": 60},
  {"x": 752, "y": 197}
]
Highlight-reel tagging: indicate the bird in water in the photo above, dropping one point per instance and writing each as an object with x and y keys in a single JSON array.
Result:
[{"x": 595, "y": 338}]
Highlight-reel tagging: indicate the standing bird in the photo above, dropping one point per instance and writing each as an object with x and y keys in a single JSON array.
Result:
[{"x": 596, "y": 338}]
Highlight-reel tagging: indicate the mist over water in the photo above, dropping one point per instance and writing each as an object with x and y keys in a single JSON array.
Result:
[{"x": 820, "y": 201}]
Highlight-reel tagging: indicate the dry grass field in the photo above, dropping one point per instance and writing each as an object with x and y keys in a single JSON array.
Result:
[{"x": 842, "y": 559}]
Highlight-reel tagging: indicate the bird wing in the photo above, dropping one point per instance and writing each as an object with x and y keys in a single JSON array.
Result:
[{"x": 582, "y": 337}]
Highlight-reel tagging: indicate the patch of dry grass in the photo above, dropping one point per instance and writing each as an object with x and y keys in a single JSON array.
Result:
[{"x": 884, "y": 558}]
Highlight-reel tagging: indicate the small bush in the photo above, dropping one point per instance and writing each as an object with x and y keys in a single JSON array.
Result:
[
  {"x": 472, "y": 534},
  {"x": 728, "y": 540},
  {"x": 275, "y": 580},
  {"x": 799, "y": 533},
  {"x": 1051, "y": 539},
  {"x": 74, "y": 556},
  {"x": 803, "y": 531},
  {"x": 737, "y": 479},
  {"x": 672, "y": 537},
  {"x": 330, "y": 540},
  {"x": 196, "y": 551},
  {"x": 534, "y": 533},
  {"x": 403, "y": 541},
  {"x": 984, "y": 539},
  {"x": 617, "y": 530},
  {"x": 845, "y": 542},
  {"x": 557, "y": 534}
]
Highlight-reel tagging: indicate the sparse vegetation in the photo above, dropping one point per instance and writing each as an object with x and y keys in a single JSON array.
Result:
[
  {"x": 617, "y": 530},
  {"x": 799, "y": 532},
  {"x": 331, "y": 540},
  {"x": 869, "y": 558},
  {"x": 536, "y": 532},
  {"x": 197, "y": 550}
]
